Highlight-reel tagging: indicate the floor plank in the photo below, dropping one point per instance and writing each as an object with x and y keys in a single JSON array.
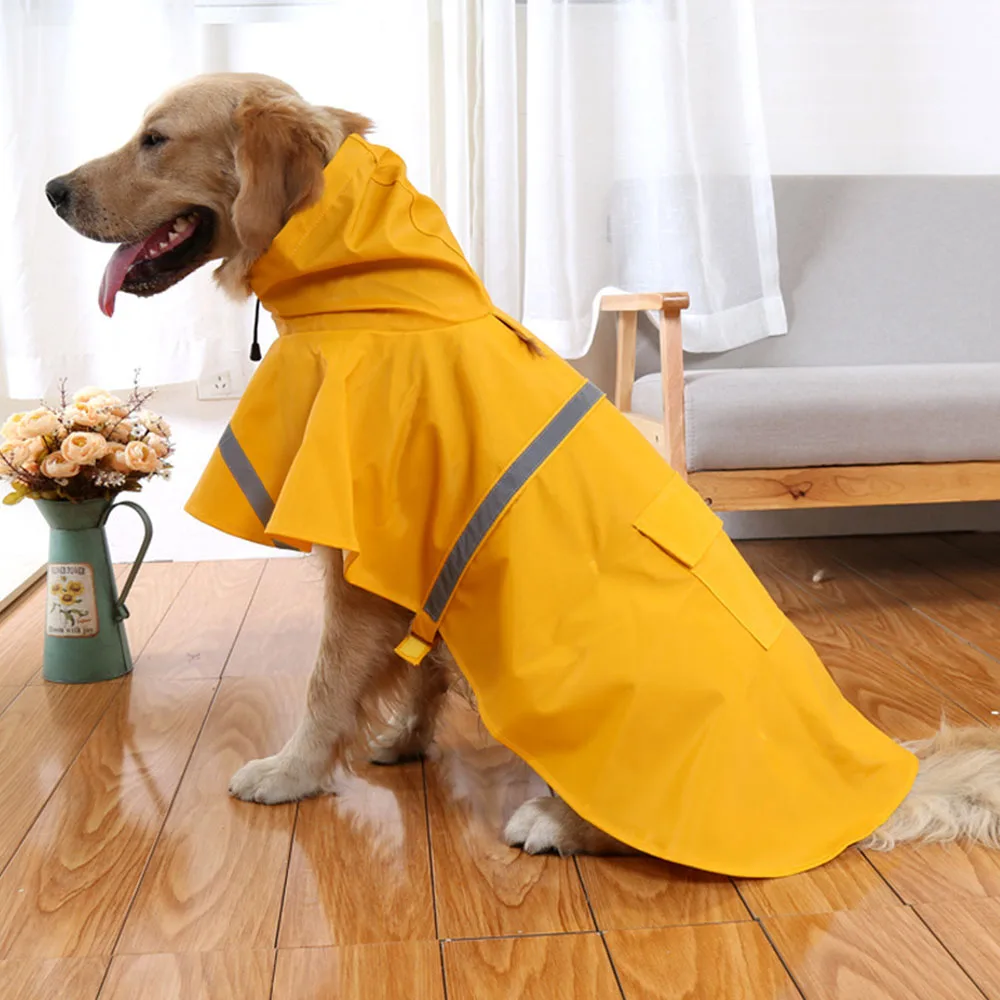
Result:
[
  {"x": 552, "y": 967},
  {"x": 54, "y": 979},
  {"x": 197, "y": 633},
  {"x": 7, "y": 694},
  {"x": 41, "y": 733},
  {"x": 973, "y": 574},
  {"x": 223, "y": 975},
  {"x": 484, "y": 888},
  {"x": 965, "y": 674},
  {"x": 216, "y": 877},
  {"x": 848, "y": 882},
  {"x": 361, "y": 972},
  {"x": 360, "y": 868},
  {"x": 893, "y": 697},
  {"x": 646, "y": 892},
  {"x": 155, "y": 590},
  {"x": 970, "y": 930},
  {"x": 868, "y": 955},
  {"x": 22, "y": 636},
  {"x": 970, "y": 617},
  {"x": 931, "y": 873},
  {"x": 282, "y": 628},
  {"x": 712, "y": 962},
  {"x": 66, "y": 891}
]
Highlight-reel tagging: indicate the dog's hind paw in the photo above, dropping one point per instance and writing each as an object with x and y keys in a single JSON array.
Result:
[{"x": 548, "y": 825}]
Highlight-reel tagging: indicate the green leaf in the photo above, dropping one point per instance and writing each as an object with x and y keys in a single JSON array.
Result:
[{"x": 12, "y": 498}]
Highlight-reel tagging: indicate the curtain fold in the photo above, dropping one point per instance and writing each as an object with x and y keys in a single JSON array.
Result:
[{"x": 646, "y": 168}]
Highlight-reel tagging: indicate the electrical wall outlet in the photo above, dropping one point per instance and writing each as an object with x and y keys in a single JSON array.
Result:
[{"x": 220, "y": 385}]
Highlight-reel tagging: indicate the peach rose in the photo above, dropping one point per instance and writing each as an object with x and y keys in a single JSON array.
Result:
[
  {"x": 14, "y": 453},
  {"x": 32, "y": 467},
  {"x": 154, "y": 422},
  {"x": 38, "y": 422},
  {"x": 11, "y": 429},
  {"x": 87, "y": 393},
  {"x": 84, "y": 448},
  {"x": 140, "y": 457},
  {"x": 158, "y": 444},
  {"x": 114, "y": 458},
  {"x": 107, "y": 405},
  {"x": 121, "y": 431},
  {"x": 83, "y": 415},
  {"x": 36, "y": 447},
  {"x": 56, "y": 466}
]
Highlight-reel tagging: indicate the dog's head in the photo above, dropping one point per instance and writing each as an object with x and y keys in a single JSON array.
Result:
[{"x": 217, "y": 167}]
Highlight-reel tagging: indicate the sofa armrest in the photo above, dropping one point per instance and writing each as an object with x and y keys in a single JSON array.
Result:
[{"x": 669, "y": 438}]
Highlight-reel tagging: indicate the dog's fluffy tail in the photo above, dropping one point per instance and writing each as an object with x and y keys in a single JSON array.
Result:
[{"x": 956, "y": 795}]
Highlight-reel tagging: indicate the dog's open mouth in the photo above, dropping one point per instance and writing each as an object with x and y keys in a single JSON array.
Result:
[{"x": 152, "y": 265}]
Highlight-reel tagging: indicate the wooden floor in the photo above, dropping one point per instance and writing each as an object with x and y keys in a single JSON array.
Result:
[{"x": 126, "y": 871}]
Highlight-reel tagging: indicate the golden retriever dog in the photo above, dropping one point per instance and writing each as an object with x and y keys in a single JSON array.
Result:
[{"x": 214, "y": 172}]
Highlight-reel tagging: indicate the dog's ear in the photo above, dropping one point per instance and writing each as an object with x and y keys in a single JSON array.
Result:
[{"x": 282, "y": 146}]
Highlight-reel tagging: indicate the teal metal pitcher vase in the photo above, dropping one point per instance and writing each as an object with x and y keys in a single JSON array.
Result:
[{"x": 85, "y": 616}]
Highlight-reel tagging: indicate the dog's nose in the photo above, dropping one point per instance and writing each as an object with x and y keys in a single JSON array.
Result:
[{"x": 58, "y": 192}]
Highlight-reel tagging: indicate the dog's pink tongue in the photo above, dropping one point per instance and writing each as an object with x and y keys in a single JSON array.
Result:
[{"x": 114, "y": 275}]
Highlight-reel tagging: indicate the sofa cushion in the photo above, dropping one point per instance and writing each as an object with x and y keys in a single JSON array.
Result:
[{"x": 770, "y": 418}]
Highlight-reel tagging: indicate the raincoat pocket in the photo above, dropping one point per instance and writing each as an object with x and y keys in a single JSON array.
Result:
[{"x": 680, "y": 523}]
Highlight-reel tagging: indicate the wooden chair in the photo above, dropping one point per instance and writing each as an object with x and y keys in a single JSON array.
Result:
[{"x": 773, "y": 489}]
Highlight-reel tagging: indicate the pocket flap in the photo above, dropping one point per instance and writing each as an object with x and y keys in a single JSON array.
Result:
[{"x": 680, "y": 523}]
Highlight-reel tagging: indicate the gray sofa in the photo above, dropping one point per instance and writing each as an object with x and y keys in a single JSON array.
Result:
[
  {"x": 892, "y": 286},
  {"x": 893, "y": 350}
]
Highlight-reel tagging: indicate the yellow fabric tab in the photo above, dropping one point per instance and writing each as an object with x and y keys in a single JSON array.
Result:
[{"x": 413, "y": 650}]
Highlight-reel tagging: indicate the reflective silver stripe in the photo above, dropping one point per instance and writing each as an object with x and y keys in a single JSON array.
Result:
[
  {"x": 496, "y": 501},
  {"x": 246, "y": 476},
  {"x": 247, "y": 480}
]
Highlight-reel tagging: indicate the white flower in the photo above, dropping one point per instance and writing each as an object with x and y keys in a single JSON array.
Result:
[
  {"x": 139, "y": 431},
  {"x": 108, "y": 477}
]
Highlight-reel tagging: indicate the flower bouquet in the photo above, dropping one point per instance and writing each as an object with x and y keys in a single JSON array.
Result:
[
  {"x": 88, "y": 448},
  {"x": 73, "y": 460}
]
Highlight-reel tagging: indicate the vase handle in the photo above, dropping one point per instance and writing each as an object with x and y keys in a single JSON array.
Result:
[{"x": 147, "y": 525}]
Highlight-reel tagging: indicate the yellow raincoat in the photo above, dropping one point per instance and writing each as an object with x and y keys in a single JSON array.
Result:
[{"x": 613, "y": 635}]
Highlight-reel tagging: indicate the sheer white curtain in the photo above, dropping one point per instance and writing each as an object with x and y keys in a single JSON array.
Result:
[
  {"x": 573, "y": 144},
  {"x": 75, "y": 77},
  {"x": 646, "y": 167}
]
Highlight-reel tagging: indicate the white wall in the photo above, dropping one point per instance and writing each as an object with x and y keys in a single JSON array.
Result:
[{"x": 880, "y": 86}]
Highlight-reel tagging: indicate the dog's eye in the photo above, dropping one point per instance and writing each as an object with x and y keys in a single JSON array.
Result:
[{"x": 151, "y": 139}]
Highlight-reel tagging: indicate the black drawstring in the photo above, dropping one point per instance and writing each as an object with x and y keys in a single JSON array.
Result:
[{"x": 255, "y": 346}]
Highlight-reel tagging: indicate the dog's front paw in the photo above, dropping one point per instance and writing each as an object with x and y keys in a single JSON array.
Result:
[{"x": 271, "y": 780}]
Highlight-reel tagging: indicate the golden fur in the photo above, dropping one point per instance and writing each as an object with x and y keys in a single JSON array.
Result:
[{"x": 251, "y": 151}]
